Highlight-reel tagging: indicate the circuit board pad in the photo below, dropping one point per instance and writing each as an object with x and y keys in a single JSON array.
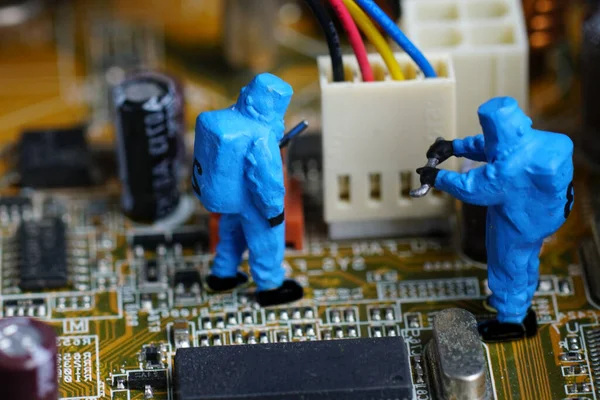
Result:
[{"x": 353, "y": 289}]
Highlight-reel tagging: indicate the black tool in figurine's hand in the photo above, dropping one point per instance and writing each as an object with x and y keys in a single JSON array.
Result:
[
  {"x": 431, "y": 162},
  {"x": 441, "y": 149},
  {"x": 295, "y": 131},
  {"x": 428, "y": 175}
]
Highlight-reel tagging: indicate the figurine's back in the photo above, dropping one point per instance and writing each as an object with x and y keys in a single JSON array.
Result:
[
  {"x": 540, "y": 198},
  {"x": 220, "y": 148}
]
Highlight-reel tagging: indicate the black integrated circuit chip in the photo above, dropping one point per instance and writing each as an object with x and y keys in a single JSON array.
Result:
[
  {"x": 189, "y": 236},
  {"x": 15, "y": 204},
  {"x": 334, "y": 369},
  {"x": 54, "y": 158},
  {"x": 148, "y": 241},
  {"x": 187, "y": 278},
  {"x": 138, "y": 380},
  {"x": 15, "y": 201},
  {"x": 42, "y": 254}
]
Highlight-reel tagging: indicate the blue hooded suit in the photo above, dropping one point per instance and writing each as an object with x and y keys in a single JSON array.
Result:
[
  {"x": 238, "y": 172},
  {"x": 527, "y": 186}
]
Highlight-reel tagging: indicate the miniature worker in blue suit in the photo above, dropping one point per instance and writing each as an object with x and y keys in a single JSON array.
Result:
[
  {"x": 527, "y": 186},
  {"x": 238, "y": 173}
]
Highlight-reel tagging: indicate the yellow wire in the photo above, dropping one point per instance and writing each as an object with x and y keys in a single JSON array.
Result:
[{"x": 371, "y": 32}]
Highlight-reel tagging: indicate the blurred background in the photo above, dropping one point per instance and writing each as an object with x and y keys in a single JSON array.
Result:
[{"x": 60, "y": 59}]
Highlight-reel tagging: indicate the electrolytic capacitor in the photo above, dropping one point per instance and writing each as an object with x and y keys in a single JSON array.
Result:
[
  {"x": 27, "y": 360},
  {"x": 590, "y": 86},
  {"x": 149, "y": 143}
]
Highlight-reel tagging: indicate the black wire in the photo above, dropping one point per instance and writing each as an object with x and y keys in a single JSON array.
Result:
[{"x": 332, "y": 37}]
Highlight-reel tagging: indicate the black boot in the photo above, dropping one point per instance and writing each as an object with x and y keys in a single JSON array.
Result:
[
  {"x": 217, "y": 284},
  {"x": 530, "y": 323},
  {"x": 495, "y": 331},
  {"x": 289, "y": 291}
]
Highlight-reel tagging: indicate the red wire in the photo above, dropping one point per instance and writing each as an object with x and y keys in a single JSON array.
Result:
[{"x": 355, "y": 39}]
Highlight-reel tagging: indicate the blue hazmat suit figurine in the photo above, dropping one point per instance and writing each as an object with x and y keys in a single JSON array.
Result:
[
  {"x": 527, "y": 187},
  {"x": 238, "y": 173}
]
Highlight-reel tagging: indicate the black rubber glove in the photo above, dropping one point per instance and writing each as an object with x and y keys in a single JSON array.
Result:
[
  {"x": 442, "y": 150},
  {"x": 428, "y": 175}
]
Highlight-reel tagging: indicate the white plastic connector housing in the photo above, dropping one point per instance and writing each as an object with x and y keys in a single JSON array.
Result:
[
  {"x": 488, "y": 43},
  {"x": 375, "y": 134}
]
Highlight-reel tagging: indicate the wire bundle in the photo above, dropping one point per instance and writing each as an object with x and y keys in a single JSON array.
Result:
[{"x": 352, "y": 13}]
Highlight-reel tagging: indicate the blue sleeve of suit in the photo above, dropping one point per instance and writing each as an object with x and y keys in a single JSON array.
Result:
[
  {"x": 479, "y": 186},
  {"x": 471, "y": 147}
]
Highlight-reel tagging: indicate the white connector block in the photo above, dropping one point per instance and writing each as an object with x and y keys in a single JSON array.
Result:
[
  {"x": 375, "y": 134},
  {"x": 488, "y": 43}
]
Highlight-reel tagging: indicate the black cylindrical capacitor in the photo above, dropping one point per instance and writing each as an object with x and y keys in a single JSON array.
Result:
[
  {"x": 590, "y": 86},
  {"x": 27, "y": 360},
  {"x": 149, "y": 134}
]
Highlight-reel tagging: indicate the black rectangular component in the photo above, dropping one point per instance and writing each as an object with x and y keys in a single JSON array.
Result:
[
  {"x": 42, "y": 254},
  {"x": 15, "y": 201},
  {"x": 189, "y": 237},
  {"x": 54, "y": 158},
  {"x": 187, "y": 278},
  {"x": 137, "y": 380},
  {"x": 25, "y": 302},
  {"x": 148, "y": 241},
  {"x": 313, "y": 370},
  {"x": 151, "y": 354},
  {"x": 186, "y": 237}
]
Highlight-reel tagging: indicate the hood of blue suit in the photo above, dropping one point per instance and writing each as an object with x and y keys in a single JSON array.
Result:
[
  {"x": 266, "y": 99},
  {"x": 504, "y": 126}
]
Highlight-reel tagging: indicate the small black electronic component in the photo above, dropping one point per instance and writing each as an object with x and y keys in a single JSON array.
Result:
[
  {"x": 29, "y": 307},
  {"x": 187, "y": 278},
  {"x": 149, "y": 241},
  {"x": 149, "y": 143},
  {"x": 15, "y": 201},
  {"x": 151, "y": 354},
  {"x": 306, "y": 148},
  {"x": 138, "y": 380},
  {"x": 335, "y": 369},
  {"x": 191, "y": 236},
  {"x": 42, "y": 254},
  {"x": 12, "y": 207},
  {"x": 54, "y": 158},
  {"x": 152, "y": 274},
  {"x": 186, "y": 237},
  {"x": 571, "y": 356}
]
